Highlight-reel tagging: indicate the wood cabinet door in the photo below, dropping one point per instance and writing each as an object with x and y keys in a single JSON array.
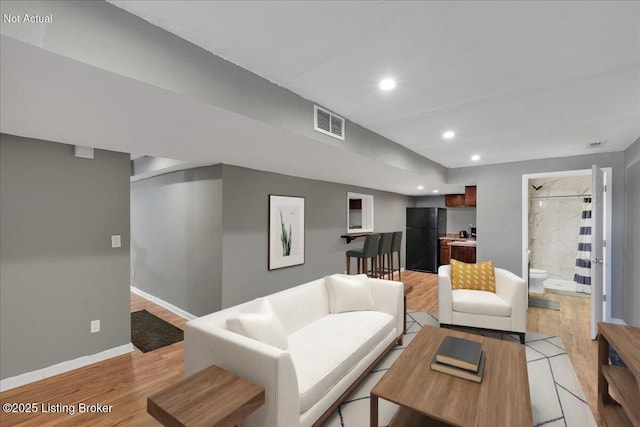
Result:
[
  {"x": 454, "y": 200},
  {"x": 470, "y": 254},
  {"x": 463, "y": 253},
  {"x": 445, "y": 252},
  {"x": 470, "y": 196}
]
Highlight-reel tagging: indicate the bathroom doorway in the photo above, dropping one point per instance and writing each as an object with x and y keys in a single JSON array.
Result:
[{"x": 555, "y": 226}]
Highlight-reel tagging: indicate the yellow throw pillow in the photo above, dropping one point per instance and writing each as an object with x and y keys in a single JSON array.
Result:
[{"x": 479, "y": 277}]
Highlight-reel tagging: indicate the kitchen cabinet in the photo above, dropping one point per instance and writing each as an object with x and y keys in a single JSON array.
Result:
[
  {"x": 445, "y": 251},
  {"x": 464, "y": 253},
  {"x": 454, "y": 200},
  {"x": 468, "y": 199},
  {"x": 470, "y": 196}
]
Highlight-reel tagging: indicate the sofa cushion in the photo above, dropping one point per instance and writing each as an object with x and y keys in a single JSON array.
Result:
[
  {"x": 329, "y": 348},
  {"x": 479, "y": 277},
  {"x": 301, "y": 305},
  {"x": 259, "y": 322},
  {"x": 349, "y": 293},
  {"x": 480, "y": 302}
]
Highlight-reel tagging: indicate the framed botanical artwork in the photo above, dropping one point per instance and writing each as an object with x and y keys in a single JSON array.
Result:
[{"x": 286, "y": 231}]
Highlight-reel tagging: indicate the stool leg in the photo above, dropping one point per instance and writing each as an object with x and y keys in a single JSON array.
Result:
[
  {"x": 399, "y": 266},
  {"x": 348, "y": 265},
  {"x": 393, "y": 264},
  {"x": 375, "y": 269}
]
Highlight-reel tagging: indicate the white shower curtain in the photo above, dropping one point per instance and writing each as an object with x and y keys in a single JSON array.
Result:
[{"x": 582, "y": 277}]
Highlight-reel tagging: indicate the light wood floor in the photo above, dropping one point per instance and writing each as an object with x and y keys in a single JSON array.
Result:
[{"x": 126, "y": 381}]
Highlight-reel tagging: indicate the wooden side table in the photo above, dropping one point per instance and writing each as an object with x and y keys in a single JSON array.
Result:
[
  {"x": 624, "y": 382},
  {"x": 211, "y": 397}
]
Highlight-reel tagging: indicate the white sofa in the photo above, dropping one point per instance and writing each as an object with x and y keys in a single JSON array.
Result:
[
  {"x": 326, "y": 356},
  {"x": 505, "y": 310}
]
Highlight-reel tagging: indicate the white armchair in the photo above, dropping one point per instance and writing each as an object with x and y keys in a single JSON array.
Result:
[{"x": 504, "y": 311}]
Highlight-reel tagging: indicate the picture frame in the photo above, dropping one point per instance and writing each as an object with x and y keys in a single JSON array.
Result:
[{"x": 286, "y": 231}]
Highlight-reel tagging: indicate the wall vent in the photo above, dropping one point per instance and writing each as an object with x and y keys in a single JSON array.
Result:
[
  {"x": 326, "y": 122},
  {"x": 83, "y": 152}
]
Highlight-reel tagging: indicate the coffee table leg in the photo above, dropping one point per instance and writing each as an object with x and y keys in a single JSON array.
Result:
[{"x": 374, "y": 411}]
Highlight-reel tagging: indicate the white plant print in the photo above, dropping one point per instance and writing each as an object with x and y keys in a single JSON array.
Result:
[{"x": 286, "y": 231}]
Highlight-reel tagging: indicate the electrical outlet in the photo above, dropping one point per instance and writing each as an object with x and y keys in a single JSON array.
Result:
[
  {"x": 115, "y": 241},
  {"x": 95, "y": 326}
]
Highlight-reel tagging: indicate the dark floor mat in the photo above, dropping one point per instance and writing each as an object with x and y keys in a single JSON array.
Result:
[{"x": 149, "y": 332}]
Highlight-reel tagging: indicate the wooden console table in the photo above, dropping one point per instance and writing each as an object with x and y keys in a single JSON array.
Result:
[
  {"x": 624, "y": 410},
  {"x": 211, "y": 397}
]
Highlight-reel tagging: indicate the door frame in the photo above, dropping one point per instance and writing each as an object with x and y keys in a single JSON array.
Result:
[{"x": 607, "y": 232}]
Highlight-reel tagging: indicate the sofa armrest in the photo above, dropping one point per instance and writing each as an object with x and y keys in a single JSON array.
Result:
[
  {"x": 445, "y": 295},
  {"x": 262, "y": 364},
  {"x": 513, "y": 289},
  {"x": 388, "y": 297}
]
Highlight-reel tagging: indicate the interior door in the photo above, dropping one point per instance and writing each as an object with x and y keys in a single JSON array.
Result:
[{"x": 597, "y": 265}]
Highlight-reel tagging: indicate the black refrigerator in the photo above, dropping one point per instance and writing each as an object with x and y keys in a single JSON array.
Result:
[{"x": 424, "y": 226}]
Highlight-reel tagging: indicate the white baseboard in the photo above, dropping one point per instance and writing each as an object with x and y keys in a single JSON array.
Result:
[
  {"x": 162, "y": 303},
  {"x": 618, "y": 321},
  {"x": 62, "y": 367}
]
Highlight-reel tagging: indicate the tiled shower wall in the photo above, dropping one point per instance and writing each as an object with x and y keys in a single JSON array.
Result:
[{"x": 555, "y": 211}]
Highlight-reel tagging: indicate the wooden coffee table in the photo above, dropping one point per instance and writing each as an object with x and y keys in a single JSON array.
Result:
[{"x": 429, "y": 398}]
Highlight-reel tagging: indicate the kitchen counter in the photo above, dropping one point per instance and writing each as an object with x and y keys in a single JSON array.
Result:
[
  {"x": 453, "y": 246},
  {"x": 463, "y": 243}
]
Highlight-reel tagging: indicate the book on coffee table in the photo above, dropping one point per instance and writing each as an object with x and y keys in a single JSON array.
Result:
[
  {"x": 460, "y": 353},
  {"x": 461, "y": 373}
]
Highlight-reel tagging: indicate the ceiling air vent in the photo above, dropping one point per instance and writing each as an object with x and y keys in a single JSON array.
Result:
[
  {"x": 328, "y": 123},
  {"x": 597, "y": 144}
]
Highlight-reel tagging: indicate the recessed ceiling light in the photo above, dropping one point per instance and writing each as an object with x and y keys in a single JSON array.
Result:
[
  {"x": 387, "y": 84},
  {"x": 475, "y": 157},
  {"x": 420, "y": 187},
  {"x": 448, "y": 134},
  {"x": 436, "y": 191}
]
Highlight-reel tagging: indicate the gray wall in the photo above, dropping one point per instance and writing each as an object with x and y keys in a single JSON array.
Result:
[
  {"x": 200, "y": 236},
  {"x": 430, "y": 202},
  {"x": 176, "y": 238},
  {"x": 499, "y": 210},
  {"x": 632, "y": 235},
  {"x": 57, "y": 268},
  {"x": 460, "y": 218},
  {"x": 245, "y": 217},
  {"x": 457, "y": 218}
]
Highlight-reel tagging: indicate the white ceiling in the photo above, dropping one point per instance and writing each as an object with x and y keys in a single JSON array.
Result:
[{"x": 515, "y": 80}]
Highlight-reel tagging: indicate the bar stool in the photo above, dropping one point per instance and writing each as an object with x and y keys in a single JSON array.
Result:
[
  {"x": 384, "y": 254},
  {"x": 368, "y": 251},
  {"x": 396, "y": 246}
]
